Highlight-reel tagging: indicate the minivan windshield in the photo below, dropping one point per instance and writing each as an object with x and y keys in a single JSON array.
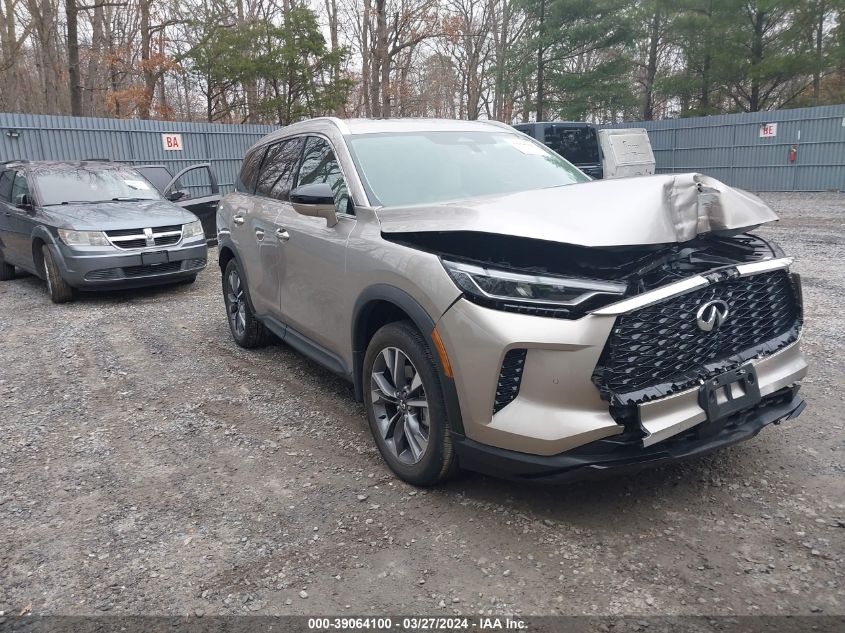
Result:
[
  {"x": 414, "y": 168},
  {"x": 92, "y": 184}
]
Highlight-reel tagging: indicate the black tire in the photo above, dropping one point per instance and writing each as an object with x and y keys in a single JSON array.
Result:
[
  {"x": 247, "y": 331},
  {"x": 60, "y": 291},
  {"x": 437, "y": 462},
  {"x": 7, "y": 271}
]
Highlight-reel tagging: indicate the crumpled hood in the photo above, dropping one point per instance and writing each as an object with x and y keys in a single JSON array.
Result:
[
  {"x": 108, "y": 216},
  {"x": 627, "y": 211}
]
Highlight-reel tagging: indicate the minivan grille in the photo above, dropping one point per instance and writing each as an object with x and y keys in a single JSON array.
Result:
[
  {"x": 510, "y": 378},
  {"x": 135, "y": 238},
  {"x": 659, "y": 349}
]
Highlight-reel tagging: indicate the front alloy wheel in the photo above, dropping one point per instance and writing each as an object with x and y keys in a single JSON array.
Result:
[
  {"x": 405, "y": 406},
  {"x": 400, "y": 405}
]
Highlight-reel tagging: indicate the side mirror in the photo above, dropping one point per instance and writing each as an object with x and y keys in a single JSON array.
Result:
[
  {"x": 178, "y": 194},
  {"x": 24, "y": 201},
  {"x": 315, "y": 200}
]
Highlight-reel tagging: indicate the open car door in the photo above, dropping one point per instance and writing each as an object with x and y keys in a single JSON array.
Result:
[{"x": 204, "y": 207}]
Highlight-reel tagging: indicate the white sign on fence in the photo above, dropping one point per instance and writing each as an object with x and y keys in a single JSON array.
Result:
[
  {"x": 171, "y": 142},
  {"x": 768, "y": 130}
]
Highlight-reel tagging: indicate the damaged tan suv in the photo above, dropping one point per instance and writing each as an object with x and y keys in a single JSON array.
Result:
[{"x": 496, "y": 310}]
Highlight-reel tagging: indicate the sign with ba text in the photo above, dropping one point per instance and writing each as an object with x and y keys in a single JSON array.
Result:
[
  {"x": 768, "y": 130},
  {"x": 171, "y": 142}
]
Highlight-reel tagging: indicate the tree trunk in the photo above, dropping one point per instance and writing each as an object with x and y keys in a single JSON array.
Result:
[
  {"x": 383, "y": 58},
  {"x": 651, "y": 66},
  {"x": 146, "y": 101},
  {"x": 759, "y": 21},
  {"x": 73, "y": 76},
  {"x": 365, "y": 58},
  {"x": 541, "y": 64}
]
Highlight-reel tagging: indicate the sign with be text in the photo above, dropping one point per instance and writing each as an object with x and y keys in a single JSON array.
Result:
[{"x": 768, "y": 130}]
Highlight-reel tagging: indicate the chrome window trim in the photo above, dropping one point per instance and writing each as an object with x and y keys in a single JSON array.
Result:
[
  {"x": 687, "y": 285},
  {"x": 753, "y": 268}
]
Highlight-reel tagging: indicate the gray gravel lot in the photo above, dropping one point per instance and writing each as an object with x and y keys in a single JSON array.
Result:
[{"x": 150, "y": 466}]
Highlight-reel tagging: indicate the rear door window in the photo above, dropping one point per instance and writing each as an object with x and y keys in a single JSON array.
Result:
[{"x": 275, "y": 178}]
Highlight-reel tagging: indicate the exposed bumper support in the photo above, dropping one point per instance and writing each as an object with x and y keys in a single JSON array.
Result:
[{"x": 611, "y": 456}]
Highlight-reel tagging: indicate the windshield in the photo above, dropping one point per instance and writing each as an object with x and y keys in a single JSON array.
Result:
[
  {"x": 430, "y": 167},
  {"x": 92, "y": 184}
]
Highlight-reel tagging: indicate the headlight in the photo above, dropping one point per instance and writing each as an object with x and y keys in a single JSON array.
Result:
[
  {"x": 505, "y": 289},
  {"x": 83, "y": 238},
  {"x": 192, "y": 230}
]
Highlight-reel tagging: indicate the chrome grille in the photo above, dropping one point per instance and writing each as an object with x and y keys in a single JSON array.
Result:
[
  {"x": 145, "y": 237},
  {"x": 658, "y": 350}
]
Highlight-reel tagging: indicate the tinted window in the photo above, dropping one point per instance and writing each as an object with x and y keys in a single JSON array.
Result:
[
  {"x": 19, "y": 187},
  {"x": 320, "y": 165},
  {"x": 249, "y": 171},
  {"x": 430, "y": 167},
  {"x": 6, "y": 185},
  {"x": 577, "y": 145},
  {"x": 159, "y": 176},
  {"x": 91, "y": 184},
  {"x": 278, "y": 168}
]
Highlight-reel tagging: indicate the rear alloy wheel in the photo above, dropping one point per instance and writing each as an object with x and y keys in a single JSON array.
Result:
[
  {"x": 247, "y": 331},
  {"x": 405, "y": 406},
  {"x": 60, "y": 291}
]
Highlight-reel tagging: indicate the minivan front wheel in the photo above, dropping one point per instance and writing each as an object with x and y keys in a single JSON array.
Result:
[
  {"x": 405, "y": 406},
  {"x": 247, "y": 331}
]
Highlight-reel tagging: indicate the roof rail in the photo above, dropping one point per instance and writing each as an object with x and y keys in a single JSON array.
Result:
[
  {"x": 14, "y": 160},
  {"x": 96, "y": 160}
]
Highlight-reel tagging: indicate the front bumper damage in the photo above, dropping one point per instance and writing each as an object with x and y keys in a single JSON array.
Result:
[
  {"x": 559, "y": 426},
  {"x": 614, "y": 456}
]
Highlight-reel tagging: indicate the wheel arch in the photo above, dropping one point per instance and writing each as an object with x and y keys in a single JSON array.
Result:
[
  {"x": 42, "y": 237},
  {"x": 379, "y": 305}
]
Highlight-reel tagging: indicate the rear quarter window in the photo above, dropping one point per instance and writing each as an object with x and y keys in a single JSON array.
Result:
[{"x": 249, "y": 171}]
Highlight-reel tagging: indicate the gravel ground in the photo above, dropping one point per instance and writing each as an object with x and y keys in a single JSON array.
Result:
[{"x": 150, "y": 466}]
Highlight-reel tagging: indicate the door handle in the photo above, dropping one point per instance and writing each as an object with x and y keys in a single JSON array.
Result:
[
  {"x": 259, "y": 234},
  {"x": 282, "y": 234},
  {"x": 238, "y": 219}
]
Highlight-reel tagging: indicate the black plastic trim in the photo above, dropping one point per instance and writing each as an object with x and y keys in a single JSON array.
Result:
[
  {"x": 610, "y": 457},
  {"x": 425, "y": 324}
]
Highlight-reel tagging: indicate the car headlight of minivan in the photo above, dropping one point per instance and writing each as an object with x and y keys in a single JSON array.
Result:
[
  {"x": 192, "y": 229},
  {"x": 493, "y": 286},
  {"x": 83, "y": 238}
]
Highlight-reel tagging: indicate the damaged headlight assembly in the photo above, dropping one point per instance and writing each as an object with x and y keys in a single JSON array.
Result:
[{"x": 543, "y": 295}]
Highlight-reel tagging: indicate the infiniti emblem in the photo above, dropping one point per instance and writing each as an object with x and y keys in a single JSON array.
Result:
[{"x": 711, "y": 315}]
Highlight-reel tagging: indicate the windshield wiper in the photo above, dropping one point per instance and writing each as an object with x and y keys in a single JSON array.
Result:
[{"x": 128, "y": 199}]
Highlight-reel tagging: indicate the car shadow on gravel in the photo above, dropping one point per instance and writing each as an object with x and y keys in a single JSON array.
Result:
[{"x": 588, "y": 503}]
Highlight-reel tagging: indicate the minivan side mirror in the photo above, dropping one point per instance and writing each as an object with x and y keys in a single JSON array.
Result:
[
  {"x": 177, "y": 195},
  {"x": 315, "y": 200},
  {"x": 24, "y": 201}
]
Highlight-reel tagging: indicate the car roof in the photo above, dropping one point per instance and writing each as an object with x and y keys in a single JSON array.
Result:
[
  {"x": 349, "y": 127},
  {"x": 60, "y": 165}
]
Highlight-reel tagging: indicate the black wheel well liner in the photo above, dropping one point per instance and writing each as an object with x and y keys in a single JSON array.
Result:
[{"x": 379, "y": 305}]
